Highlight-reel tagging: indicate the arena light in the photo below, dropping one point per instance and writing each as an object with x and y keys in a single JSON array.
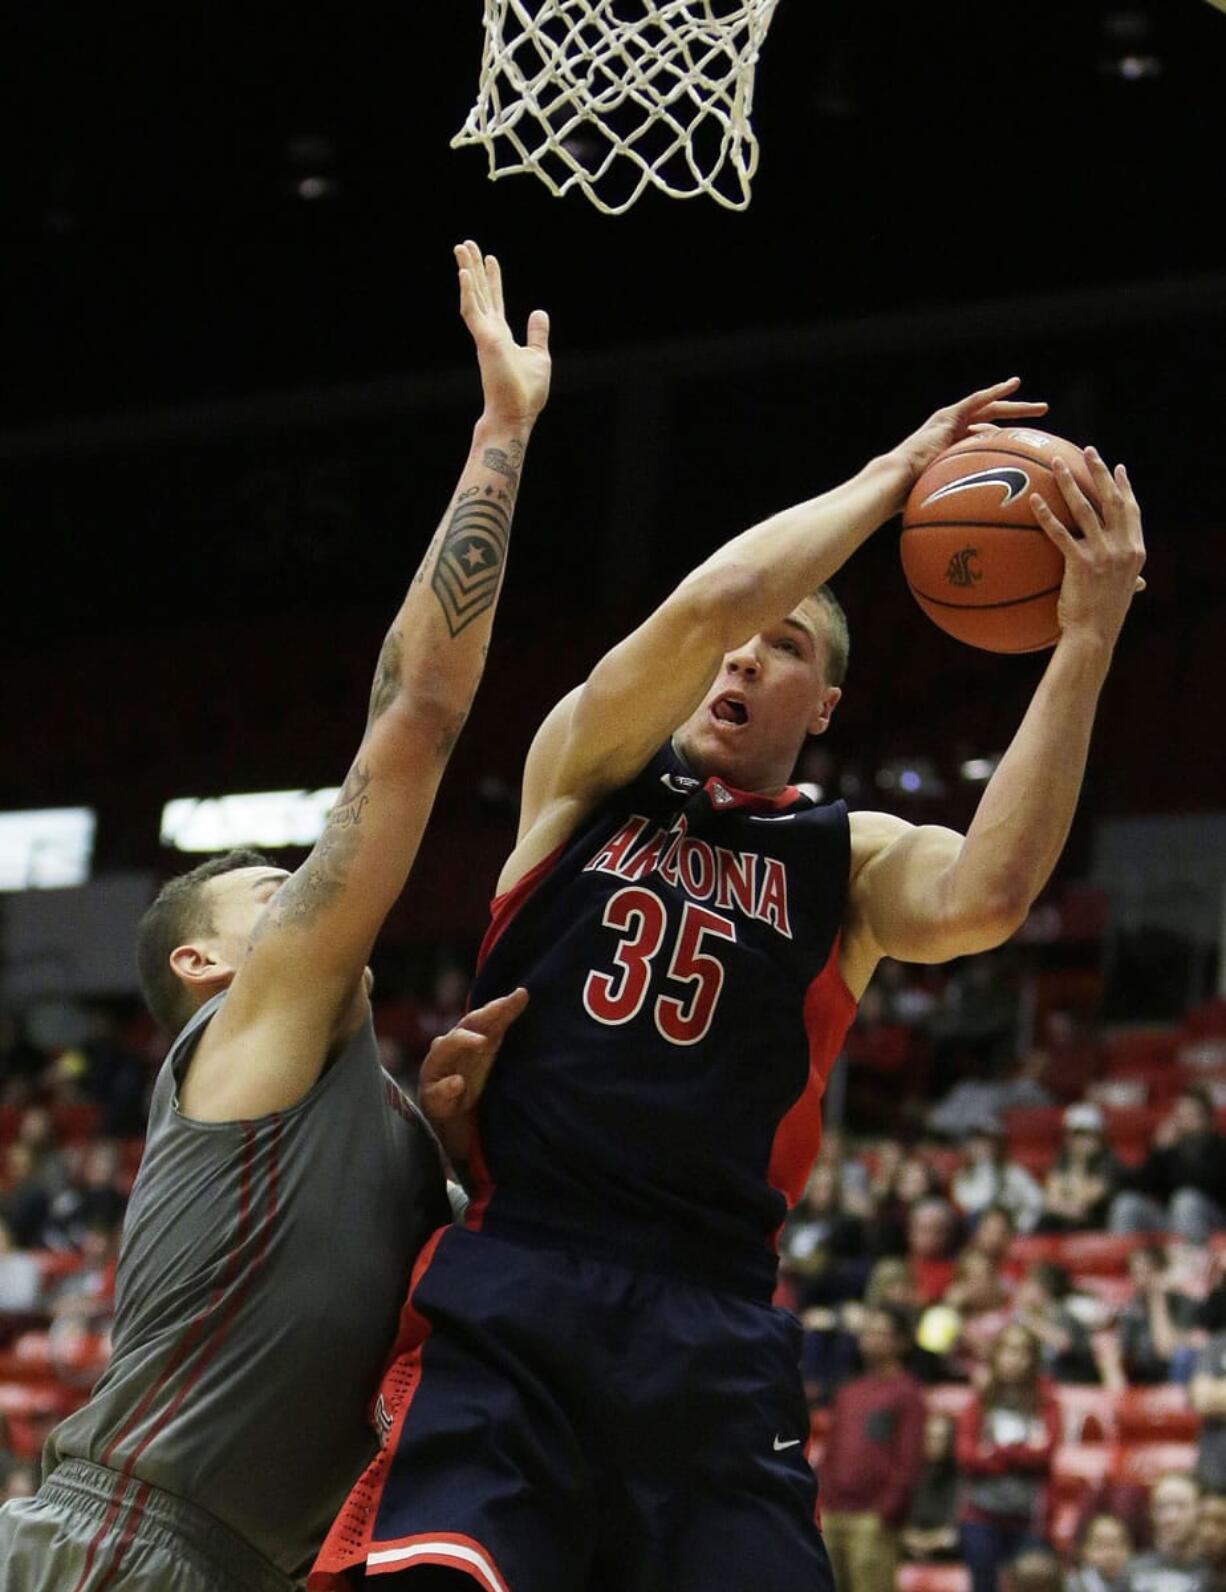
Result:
[
  {"x": 910, "y": 776},
  {"x": 978, "y": 769},
  {"x": 271, "y": 818},
  {"x": 47, "y": 848}
]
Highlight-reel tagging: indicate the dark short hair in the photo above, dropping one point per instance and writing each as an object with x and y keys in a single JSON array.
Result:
[
  {"x": 180, "y": 912},
  {"x": 900, "y": 1321},
  {"x": 837, "y": 635},
  {"x": 1197, "y": 1092}
]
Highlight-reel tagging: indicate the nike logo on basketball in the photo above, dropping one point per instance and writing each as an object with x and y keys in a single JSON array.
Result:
[
  {"x": 792, "y": 1442},
  {"x": 1014, "y": 482}
]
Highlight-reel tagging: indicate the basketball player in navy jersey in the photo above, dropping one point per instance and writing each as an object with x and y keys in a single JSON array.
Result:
[
  {"x": 592, "y": 1391},
  {"x": 287, "y": 1184}
]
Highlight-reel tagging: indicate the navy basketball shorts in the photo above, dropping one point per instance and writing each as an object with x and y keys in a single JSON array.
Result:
[{"x": 555, "y": 1423}]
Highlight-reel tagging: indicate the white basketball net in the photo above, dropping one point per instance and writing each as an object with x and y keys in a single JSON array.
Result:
[{"x": 610, "y": 95}]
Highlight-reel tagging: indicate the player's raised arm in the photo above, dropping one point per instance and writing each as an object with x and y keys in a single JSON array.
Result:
[
  {"x": 304, "y": 970},
  {"x": 603, "y": 733},
  {"x": 927, "y": 894}
]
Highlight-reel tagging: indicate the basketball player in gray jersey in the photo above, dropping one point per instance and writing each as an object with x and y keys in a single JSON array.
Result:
[{"x": 287, "y": 1185}]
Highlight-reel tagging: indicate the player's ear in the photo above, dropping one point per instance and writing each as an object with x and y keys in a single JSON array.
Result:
[
  {"x": 198, "y": 966},
  {"x": 823, "y": 708}
]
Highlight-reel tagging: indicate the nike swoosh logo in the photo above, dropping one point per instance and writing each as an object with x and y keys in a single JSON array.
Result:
[
  {"x": 791, "y": 1443},
  {"x": 1013, "y": 480}
]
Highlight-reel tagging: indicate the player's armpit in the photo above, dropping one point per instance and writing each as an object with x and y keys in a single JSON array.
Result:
[{"x": 906, "y": 899}]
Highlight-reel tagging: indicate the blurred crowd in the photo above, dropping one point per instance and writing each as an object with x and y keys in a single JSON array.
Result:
[
  {"x": 1011, "y": 1248},
  {"x": 1014, "y": 1300}
]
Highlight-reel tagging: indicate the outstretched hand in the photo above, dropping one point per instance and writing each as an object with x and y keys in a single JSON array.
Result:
[
  {"x": 457, "y": 1066},
  {"x": 951, "y": 424},
  {"x": 514, "y": 377}
]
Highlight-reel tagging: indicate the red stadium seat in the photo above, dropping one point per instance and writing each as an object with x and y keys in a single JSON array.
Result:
[
  {"x": 1142, "y": 1047},
  {"x": 1077, "y": 1468},
  {"x": 10, "y": 1120},
  {"x": 932, "y": 1578},
  {"x": 1143, "y": 1463},
  {"x": 1034, "y": 1249},
  {"x": 75, "y": 1123},
  {"x": 1087, "y": 1414},
  {"x": 1096, "y": 1254},
  {"x": 1153, "y": 1414},
  {"x": 1032, "y": 1125},
  {"x": 1207, "y": 1019}
]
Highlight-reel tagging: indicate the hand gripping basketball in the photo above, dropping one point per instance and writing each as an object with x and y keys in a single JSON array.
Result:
[
  {"x": 1102, "y": 567},
  {"x": 949, "y": 425}
]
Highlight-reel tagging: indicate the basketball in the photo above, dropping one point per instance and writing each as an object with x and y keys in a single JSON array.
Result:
[{"x": 977, "y": 561}]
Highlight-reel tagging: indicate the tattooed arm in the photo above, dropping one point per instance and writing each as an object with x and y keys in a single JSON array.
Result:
[{"x": 300, "y": 988}]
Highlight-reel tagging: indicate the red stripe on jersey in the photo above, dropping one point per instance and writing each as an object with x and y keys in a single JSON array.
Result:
[
  {"x": 112, "y": 1511},
  {"x": 345, "y": 1547},
  {"x": 828, "y": 1011},
  {"x": 504, "y": 907},
  {"x": 239, "y": 1294},
  {"x": 125, "y": 1540},
  {"x": 195, "y": 1327},
  {"x": 482, "y": 1182}
]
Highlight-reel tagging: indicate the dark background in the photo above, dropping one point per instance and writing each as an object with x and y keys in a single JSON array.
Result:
[{"x": 231, "y": 415}]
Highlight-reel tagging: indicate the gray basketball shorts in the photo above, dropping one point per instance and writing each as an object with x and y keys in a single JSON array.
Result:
[{"x": 85, "y": 1530}]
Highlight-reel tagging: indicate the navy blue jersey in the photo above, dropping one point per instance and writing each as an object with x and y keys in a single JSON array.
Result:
[{"x": 659, "y": 1100}]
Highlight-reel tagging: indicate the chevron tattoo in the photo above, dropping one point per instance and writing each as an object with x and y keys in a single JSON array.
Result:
[{"x": 469, "y": 564}]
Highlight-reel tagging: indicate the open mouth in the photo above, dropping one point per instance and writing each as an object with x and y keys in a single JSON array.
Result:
[{"x": 729, "y": 710}]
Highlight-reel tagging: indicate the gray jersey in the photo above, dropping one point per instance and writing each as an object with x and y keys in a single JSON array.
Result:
[{"x": 260, "y": 1280}]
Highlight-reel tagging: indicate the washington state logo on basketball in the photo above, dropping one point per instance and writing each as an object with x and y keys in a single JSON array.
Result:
[{"x": 961, "y": 571}]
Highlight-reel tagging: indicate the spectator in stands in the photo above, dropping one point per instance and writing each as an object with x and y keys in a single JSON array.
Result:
[
  {"x": 1211, "y": 1538},
  {"x": 1181, "y": 1184},
  {"x": 874, "y": 1454},
  {"x": 1041, "y": 1306},
  {"x": 989, "y": 1178},
  {"x": 37, "y": 1132},
  {"x": 1035, "y": 1570},
  {"x": 1077, "y": 1193},
  {"x": 931, "y": 1532},
  {"x": 1103, "y": 1556},
  {"x": 932, "y": 1243},
  {"x": 1207, "y": 1393},
  {"x": 1153, "y": 1328},
  {"x": 993, "y": 1236},
  {"x": 116, "y": 1078},
  {"x": 819, "y": 1225},
  {"x": 978, "y": 1299},
  {"x": 1006, "y": 1437},
  {"x": 20, "y": 1275},
  {"x": 974, "y": 1027},
  {"x": 1172, "y": 1565},
  {"x": 902, "y": 1181},
  {"x": 25, "y": 1202},
  {"x": 854, "y": 1183},
  {"x": 91, "y": 1199}
]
